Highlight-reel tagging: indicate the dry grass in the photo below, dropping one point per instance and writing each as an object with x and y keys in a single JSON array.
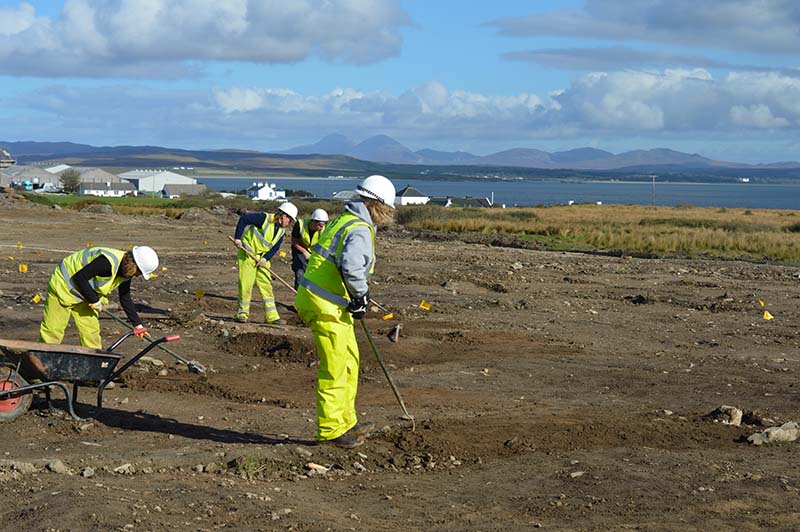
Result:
[{"x": 752, "y": 234}]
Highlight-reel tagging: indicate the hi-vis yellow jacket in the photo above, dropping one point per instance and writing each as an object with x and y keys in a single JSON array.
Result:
[
  {"x": 261, "y": 240},
  {"x": 61, "y": 280},
  {"x": 323, "y": 274},
  {"x": 306, "y": 239}
]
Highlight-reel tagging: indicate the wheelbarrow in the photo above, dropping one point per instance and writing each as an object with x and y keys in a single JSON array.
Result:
[{"x": 49, "y": 365}]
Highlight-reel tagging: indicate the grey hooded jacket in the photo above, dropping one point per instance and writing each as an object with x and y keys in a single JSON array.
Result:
[{"x": 358, "y": 253}]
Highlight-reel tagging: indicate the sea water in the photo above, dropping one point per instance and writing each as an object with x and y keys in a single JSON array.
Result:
[{"x": 530, "y": 193}]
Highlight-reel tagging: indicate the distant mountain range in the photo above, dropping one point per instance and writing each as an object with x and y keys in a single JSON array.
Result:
[
  {"x": 338, "y": 153},
  {"x": 384, "y": 149}
]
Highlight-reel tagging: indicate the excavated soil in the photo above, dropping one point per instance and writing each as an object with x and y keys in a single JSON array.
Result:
[{"x": 549, "y": 390}]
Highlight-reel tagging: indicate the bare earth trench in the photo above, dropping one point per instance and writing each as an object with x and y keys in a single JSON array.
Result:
[{"x": 555, "y": 391}]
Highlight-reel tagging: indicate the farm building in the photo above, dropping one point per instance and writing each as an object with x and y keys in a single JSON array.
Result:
[
  {"x": 176, "y": 191},
  {"x": 154, "y": 181}
]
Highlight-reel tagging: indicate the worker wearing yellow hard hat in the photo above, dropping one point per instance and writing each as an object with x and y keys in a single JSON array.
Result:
[
  {"x": 333, "y": 292},
  {"x": 79, "y": 288}
]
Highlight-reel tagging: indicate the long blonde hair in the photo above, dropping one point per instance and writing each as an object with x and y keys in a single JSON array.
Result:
[{"x": 381, "y": 213}]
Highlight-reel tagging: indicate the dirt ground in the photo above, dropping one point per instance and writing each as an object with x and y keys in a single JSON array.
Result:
[{"x": 556, "y": 391}]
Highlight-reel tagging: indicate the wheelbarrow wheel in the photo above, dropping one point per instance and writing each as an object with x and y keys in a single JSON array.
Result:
[{"x": 14, "y": 406}]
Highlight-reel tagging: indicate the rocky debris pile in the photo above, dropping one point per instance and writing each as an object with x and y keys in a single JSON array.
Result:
[{"x": 787, "y": 432}]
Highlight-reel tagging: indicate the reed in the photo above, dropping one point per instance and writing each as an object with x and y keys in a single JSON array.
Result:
[{"x": 682, "y": 230}]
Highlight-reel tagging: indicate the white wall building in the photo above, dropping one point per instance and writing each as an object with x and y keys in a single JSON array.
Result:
[
  {"x": 411, "y": 196},
  {"x": 153, "y": 181},
  {"x": 106, "y": 189},
  {"x": 265, "y": 192}
]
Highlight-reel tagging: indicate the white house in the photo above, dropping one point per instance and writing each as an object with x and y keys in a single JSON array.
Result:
[
  {"x": 411, "y": 196},
  {"x": 106, "y": 189},
  {"x": 265, "y": 191},
  {"x": 153, "y": 181}
]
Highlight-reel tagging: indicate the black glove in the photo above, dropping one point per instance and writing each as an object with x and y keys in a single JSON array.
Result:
[{"x": 358, "y": 306}]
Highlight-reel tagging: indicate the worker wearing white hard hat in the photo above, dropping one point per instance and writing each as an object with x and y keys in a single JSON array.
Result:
[
  {"x": 79, "y": 288},
  {"x": 334, "y": 292},
  {"x": 260, "y": 235},
  {"x": 304, "y": 235}
]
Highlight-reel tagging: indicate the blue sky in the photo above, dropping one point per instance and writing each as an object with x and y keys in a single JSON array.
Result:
[{"x": 715, "y": 77}]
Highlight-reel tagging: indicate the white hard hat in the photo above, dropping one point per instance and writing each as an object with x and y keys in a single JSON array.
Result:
[
  {"x": 319, "y": 215},
  {"x": 146, "y": 259},
  {"x": 379, "y": 188},
  {"x": 289, "y": 209}
]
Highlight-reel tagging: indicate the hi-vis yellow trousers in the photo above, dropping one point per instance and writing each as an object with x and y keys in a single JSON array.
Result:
[
  {"x": 55, "y": 319},
  {"x": 337, "y": 377},
  {"x": 249, "y": 274}
]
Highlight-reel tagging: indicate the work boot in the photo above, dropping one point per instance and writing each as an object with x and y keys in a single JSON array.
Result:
[
  {"x": 240, "y": 318},
  {"x": 362, "y": 429},
  {"x": 279, "y": 321},
  {"x": 348, "y": 440}
]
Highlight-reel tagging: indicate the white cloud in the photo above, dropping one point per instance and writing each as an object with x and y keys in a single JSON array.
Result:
[
  {"x": 765, "y": 26},
  {"x": 759, "y": 116},
  {"x": 167, "y": 38},
  {"x": 677, "y": 104}
]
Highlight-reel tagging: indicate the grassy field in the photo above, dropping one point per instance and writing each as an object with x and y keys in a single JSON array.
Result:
[
  {"x": 757, "y": 234},
  {"x": 684, "y": 230}
]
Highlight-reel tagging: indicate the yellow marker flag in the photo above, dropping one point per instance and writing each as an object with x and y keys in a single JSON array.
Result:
[
  {"x": 424, "y": 305},
  {"x": 163, "y": 268},
  {"x": 205, "y": 242},
  {"x": 36, "y": 298},
  {"x": 19, "y": 244},
  {"x": 153, "y": 275},
  {"x": 23, "y": 268},
  {"x": 10, "y": 257},
  {"x": 761, "y": 302},
  {"x": 388, "y": 316},
  {"x": 768, "y": 316},
  {"x": 199, "y": 293},
  {"x": 88, "y": 244},
  {"x": 282, "y": 254}
]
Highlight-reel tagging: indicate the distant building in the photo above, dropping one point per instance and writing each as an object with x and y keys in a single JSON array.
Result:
[
  {"x": 107, "y": 189},
  {"x": 176, "y": 191},
  {"x": 344, "y": 195},
  {"x": 34, "y": 175},
  {"x": 154, "y": 181},
  {"x": 57, "y": 169},
  {"x": 93, "y": 175},
  {"x": 6, "y": 159},
  {"x": 411, "y": 196},
  {"x": 265, "y": 192},
  {"x": 461, "y": 202}
]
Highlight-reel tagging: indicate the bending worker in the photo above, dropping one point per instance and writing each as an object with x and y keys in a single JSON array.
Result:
[
  {"x": 80, "y": 285},
  {"x": 304, "y": 235},
  {"x": 260, "y": 235},
  {"x": 332, "y": 293}
]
